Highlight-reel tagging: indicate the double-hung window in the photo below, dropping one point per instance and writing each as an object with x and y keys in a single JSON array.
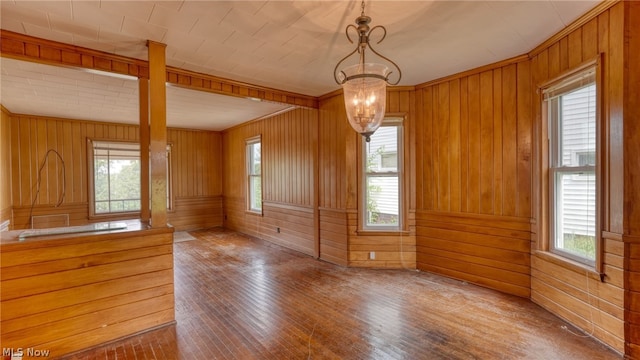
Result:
[
  {"x": 115, "y": 177},
  {"x": 572, "y": 114},
  {"x": 382, "y": 158},
  {"x": 254, "y": 174}
]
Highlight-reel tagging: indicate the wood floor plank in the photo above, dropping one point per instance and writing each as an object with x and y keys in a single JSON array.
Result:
[{"x": 240, "y": 298}]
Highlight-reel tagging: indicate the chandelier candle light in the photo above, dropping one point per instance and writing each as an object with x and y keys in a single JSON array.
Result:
[{"x": 365, "y": 84}]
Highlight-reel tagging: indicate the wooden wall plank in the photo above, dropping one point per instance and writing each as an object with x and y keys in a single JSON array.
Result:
[
  {"x": 63, "y": 295},
  {"x": 5, "y": 165}
]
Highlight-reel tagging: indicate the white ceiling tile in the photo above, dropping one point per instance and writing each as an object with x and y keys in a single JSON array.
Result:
[
  {"x": 139, "y": 10},
  {"x": 242, "y": 22},
  {"x": 252, "y": 7},
  {"x": 46, "y": 33},
  {"x": 206, "y": 12},
  {"x": 195, "y": 58},
  {"x": 172, "y": 19},
  {"x": 57, "y": 7},
  {"x": 143, "y": 30},
  {"x": 84, "y": 29},
  {"x": 569, "y": 11},
  {"x": 94, "y": 44},
  {"x": 12, "y": 25},
  {"x": 285, "y": 16},
  {"x": 248, "y": 43},
  {"x": 182, "y": 42},
  {"x": 211, "y": 31},
  {"x": 24, "y": 14},
  {"x": 275, "y": 34},
  {"x": 89, "y": 12},
  {"x": 171, "y": 5}
]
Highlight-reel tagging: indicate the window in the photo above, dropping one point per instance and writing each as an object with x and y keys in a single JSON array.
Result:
[
  {"x": 382, "y": 184},
  {"x": 573, "y": 181},
  {"x": 254, "y": 174},
  {"x": 115, "y": 173}
]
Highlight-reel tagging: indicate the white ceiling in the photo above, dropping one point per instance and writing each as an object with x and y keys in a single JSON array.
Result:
[{"x": 287, "y": 45}]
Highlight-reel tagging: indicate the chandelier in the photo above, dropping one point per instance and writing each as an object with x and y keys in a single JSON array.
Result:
[{"x": 364, "y": 84}]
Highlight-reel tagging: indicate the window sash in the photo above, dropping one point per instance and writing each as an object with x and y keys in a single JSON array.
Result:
[
  {"x": 376, "y": 175},
  {"x": 573, "y": 220},
  {"x": 114, "y": 151},
  {"x": 113, "y": 154},
  {"x": 573, "y": 185},
  {"x": 253, "y": 148}
]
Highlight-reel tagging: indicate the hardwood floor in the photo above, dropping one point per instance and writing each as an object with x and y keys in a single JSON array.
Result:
[{"x": 241, "y": 298}]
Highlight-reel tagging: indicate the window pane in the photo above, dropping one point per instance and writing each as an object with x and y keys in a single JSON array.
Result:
[
  {"x": 382, "y": 151},
  {"x": 101, "y": 181},
  {"x": 256, "y": 159},
  {"x": 116, "y": 177},
  {"x": 578, "y": 127},
  {"x": 254, "y": 170},
  {"x": 256, "y": 193},
  {"x": 102, "y": 207},
  {"x": 125, "y": 179},
  {"x": 575, "y": 220},
  {"x": 382, "y": 200}
]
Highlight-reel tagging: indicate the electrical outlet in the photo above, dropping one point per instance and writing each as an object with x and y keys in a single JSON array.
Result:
[{"x": 372, "y": 255}]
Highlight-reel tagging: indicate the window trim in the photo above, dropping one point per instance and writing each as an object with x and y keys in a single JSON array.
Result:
[
  {"x": 91, "y": 189},
  {"x": 248, "y": 174},
  {"x": 389, "y": 120},
  {"x": 547, "y": 174}
]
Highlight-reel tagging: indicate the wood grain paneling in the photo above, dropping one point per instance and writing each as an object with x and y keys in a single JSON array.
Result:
[
  {"x": 289, "y": 158},
  {"x": 565, "y": 289},
  {"x": 334, "y": 237},
  {"x": 340, "y": 188},
  {"x": 631, "y": 139},
  {"x": 474, "y": 143},
  {"x": 487, "y": 250},
  {"x": 5, "y": 165},
  {"x": 195, "y": 168},
  {"x": 333, "y": 130},
  {"x": 67, "y": 293},
  {"x": 191, "y": 213},
  {"x": 473, "y": 176}
]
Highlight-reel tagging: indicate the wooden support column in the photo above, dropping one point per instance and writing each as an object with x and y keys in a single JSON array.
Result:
[
  {"x": 158, "y": 133},
  {"x": 143, "y": 90}
]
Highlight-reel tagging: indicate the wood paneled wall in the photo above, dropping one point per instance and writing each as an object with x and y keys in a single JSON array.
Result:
[
  {"x": 196, "y": 170},
  {"x": 5, "y": 165},
  {"x": 334, "y": 192},
  {"x": 68, "y": 294},
  {"x": 473, "y": 176},
  {"x": 571, "y": 291},
  {"x": 289, "y": 144},
  {"x": 631, "y": 216},
  {"x": 341, "y": 241}
]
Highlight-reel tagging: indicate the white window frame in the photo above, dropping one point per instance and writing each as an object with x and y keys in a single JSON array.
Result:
[
  {"x": 135, "y": 147},
  {"x": 251, "y": 174},
  {"x": 585, "y": 76},
  {"x": 398, "y": 173}
]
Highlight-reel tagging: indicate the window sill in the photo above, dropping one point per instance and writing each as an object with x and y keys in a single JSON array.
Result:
[
  {"x": 115, "y": 216},
  {"x": 570, "y": 265},
  {"x": 383, "y": 232},
  {"x": 254, "y": 213}
]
